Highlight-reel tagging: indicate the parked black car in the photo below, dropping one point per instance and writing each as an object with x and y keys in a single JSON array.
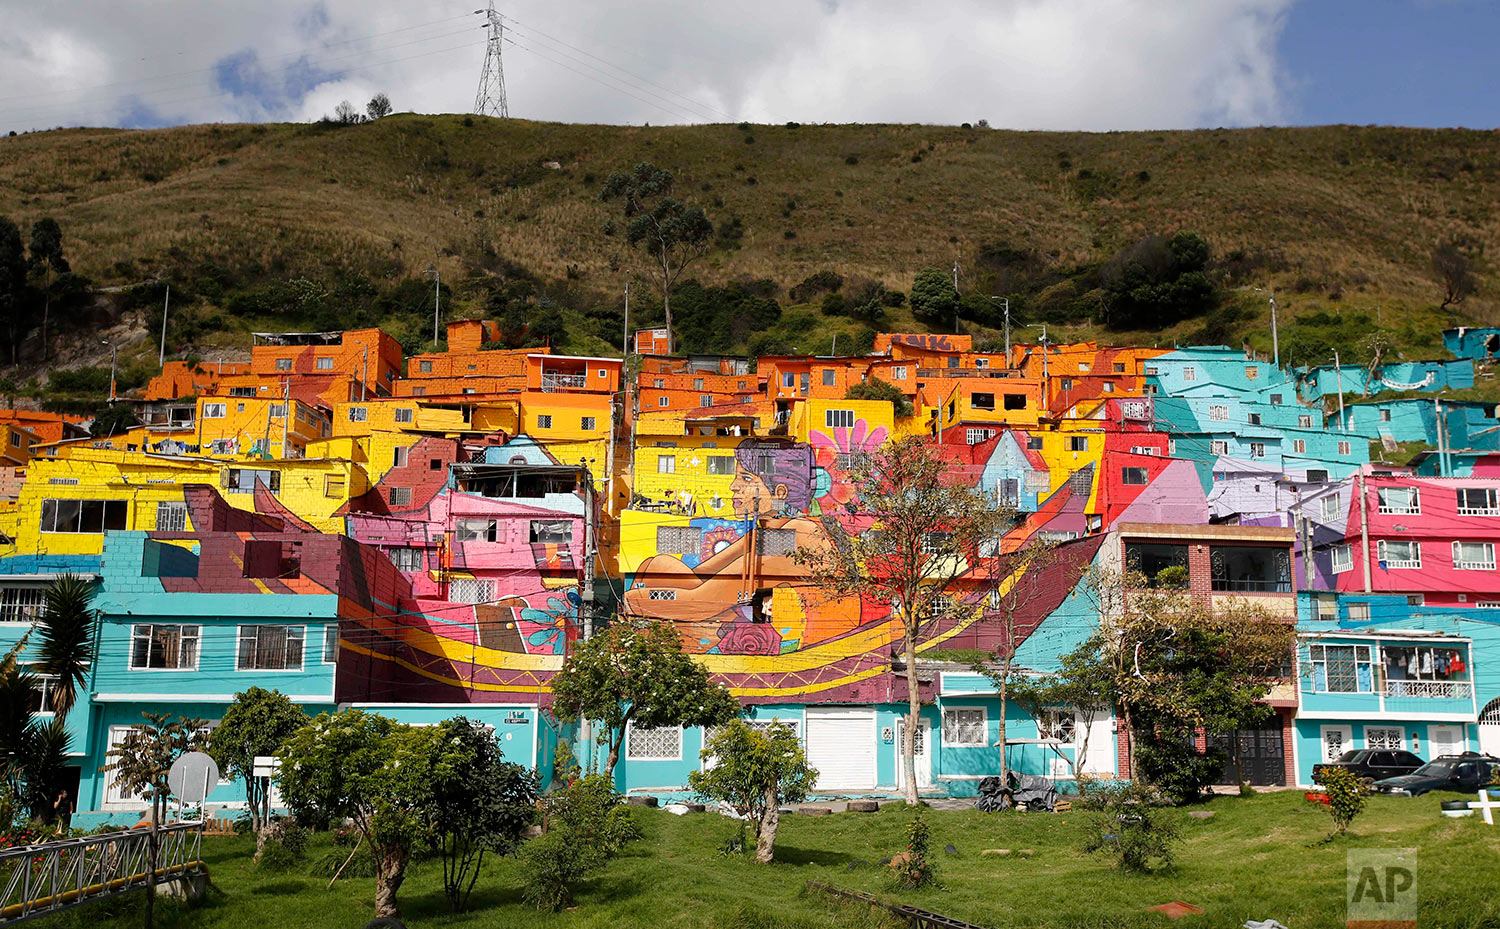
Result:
[
  {"x": 1463, "y": 773},
  {"x": 1373, "y": 764}
]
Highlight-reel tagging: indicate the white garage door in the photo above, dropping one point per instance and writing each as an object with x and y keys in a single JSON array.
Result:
[{"x": 841, "y": 745}]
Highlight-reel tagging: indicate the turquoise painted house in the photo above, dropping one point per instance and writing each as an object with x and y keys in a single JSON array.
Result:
[{"x": 1376, "y": 672}]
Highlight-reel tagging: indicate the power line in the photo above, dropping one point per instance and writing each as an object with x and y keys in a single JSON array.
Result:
[
  {"x": 674, "y": 111},
  {"x": 490, "y": 99}
]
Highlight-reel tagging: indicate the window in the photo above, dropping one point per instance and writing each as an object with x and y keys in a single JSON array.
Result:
[
  {"x": 1344, "y": 448},
  {"x": 1304, "y": 421},
  {"x": 331, "y": 643},
  {"x": 1401, "y": 554},
  {"x": 92, "y": 516},
  {"x": 1257, "y": 449},
  {"x": 788, "y": 380},
  {"x": 551, "y": 532},
  {"x": 1034, "y": 443},
  {"x": 544, "y": 421},
  {"x": 661, "y": 401},
  {"x": 663, "y": 594},
  {"x": 1149, "y": 559},
  {"x": 471, "y": 590},
  {"x": 965, "y": 727},
  {"x": 171, "y": 517},
  {"x": 678, "y": 540},
  {"x": 335, "y": 486},
  {"x": 1056, "y": 725},
  {"x": 476, "y": 530},
  {"x": 425, "y": 367},
  {"x": 697, "y": 383},
  {"x": 1251, "y": 372},
  {"x": 324, "y": 364},
  {"x": 666, "y": 464},
  {"x": 1329, "y": 508},
  {"x": 1359, "y": 612},
  {"x": 1384, "y": 737},
  {"x": 705, "y": 400},
  {"x": 1276, "y": 399},
  {"x": 22, "y": 604},
  {"x": 664, "y": 744},
  {"x": 836, "y": 419},
  {"x": 1067, "y": 383},
  {"x": 1218, "y": 447},
  {"x": 164, "y": 648},
  {"x": 898, "y": 373},
  {"x": 1299, "y": 446},
  {"x": 1188, "y": 374},
  {"x": 1119, "y": 367},
  {"x": 283, "y": 364},
  {"x": 1343, "y": 558},
  {"x": 1478, "y": 501},
  {"x": 215, "y": 410},
  {"x": 407, "y": 559},
  {"x": 1385, "y": 416},
  {"x": 404, "y": 414},
  {"x": 982, "y": 401},
  {"x": 1015, "y": 401},
  {"x": 1316, "y": 476},
  {"x": 1083, "y": 367},
  {"x": 1108, "y": 387},
  {"x": 1151, "y": 371},
  {"x": 659, "y": 383},
  {"x": 1218, "y": 412},
  {"x": 1250, "y": 568},
  {"x": 243, "y": 480},
  {"x": 851, "y": 461},
  {"x": 721, "y": 464},
  {"x": 830, "y": 377},
  {"x": 400, "y": 455},
  {"x": 1341, "y": 669},
  {"x": 1078, "y": 443},
  {"x": 974, "y": 436},
  {"x": 270, "y": 648},
  {"x": 1474, "y": 556},
  {"x": 419, "y": 391},
  {"x": 399, "y": 496},
  {"x": 1400, "y": 501},
  {"x": 358, "y": 414},
  {"x": 934, "y": 543},
  {"x": 776, "y": 543},
  {"x": 1253, "y": 419}
]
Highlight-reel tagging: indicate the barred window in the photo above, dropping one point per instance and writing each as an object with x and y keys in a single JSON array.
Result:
[
  {"x": 471, "y": 590},
  {"x": 407, "y": 559},
  {"x": 1056, "y": 725},
  {"x": 662, "y": 594},
  {"x": 22, "y": 604},
  {"x": 964, "y": 727},
  {"x": 358, "y": 414},
  {"x": 678, "y": 540},
  {"x": 400, "y": 496},
  {"x": 776, "y": 542},
  {"x": 664, "y": 744},
  {"x": 171, "y": 517}
]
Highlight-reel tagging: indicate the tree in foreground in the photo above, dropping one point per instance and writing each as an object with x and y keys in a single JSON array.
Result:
[
  {"x": 755, "y": 771},
  {"x": 637, "y": 673},
  {"x": 1346, "y": 795},
  {"x": 925, "y": 529},
  {"x": 587, "y": 825},
  {"x": 66, "y": 650},
  {"x": 481, "y": 804},
  {"x": 256, "y": 724},
  {"x": 376, "y": 772},
  {"x": 669, "y": 231}
]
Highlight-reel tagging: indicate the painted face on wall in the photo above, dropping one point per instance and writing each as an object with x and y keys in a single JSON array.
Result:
[{"x": 752, "y": 496}]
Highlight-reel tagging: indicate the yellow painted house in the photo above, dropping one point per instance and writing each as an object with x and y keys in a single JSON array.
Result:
[{"x": 257, "y": 426}]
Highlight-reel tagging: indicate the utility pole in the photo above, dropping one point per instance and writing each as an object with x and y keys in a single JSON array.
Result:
[
  {"x": 1364, "y": 531},
  {"x": 1275, "y": 341},
  {"x": 286, "y": 411},
  {"x": 1005, "y": 302},
  {"x": 437, "y": 299},
  {"x": 490, "y": 99},
  {"x": 166, "y": 302},
  {"x": 626, "y": 344},
  {"x": 1338, "y": 371}
]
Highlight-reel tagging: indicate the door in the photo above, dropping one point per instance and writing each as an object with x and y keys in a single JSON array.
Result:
[
  {"x": 841, "y": 746},
  {"x": 114, "y": 795},
  {"x": 1261, "y": 755},
  {"x": 1335, "y": 741},
  {"x": 1446, "y": 740},
  {"x": 923, "y": 757},
  {"x": 1489, "y": 728}
]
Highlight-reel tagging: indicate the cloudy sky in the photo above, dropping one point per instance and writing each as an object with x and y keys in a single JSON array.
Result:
[{"x": 1025, "y": 64}]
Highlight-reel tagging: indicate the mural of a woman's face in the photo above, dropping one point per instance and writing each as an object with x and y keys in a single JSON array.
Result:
[{"x": 751, "y": 496}]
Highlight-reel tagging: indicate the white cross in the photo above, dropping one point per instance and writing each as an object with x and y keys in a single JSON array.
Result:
[{"x": 1486, "y": 806}]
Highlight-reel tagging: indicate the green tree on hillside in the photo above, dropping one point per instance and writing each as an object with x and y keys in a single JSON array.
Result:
[
  {"x": 672, "y": 233},
  {"x": 47, "y": 258},
  {"x": 12, "y": 283},
  {"x": 1456, "y": 273},
  {"x": 378, "y": 107},
  {"x": 933, "y": 299}
]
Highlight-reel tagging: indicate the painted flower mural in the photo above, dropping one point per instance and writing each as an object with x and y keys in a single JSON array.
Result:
[{"x": 831, "y": 450}]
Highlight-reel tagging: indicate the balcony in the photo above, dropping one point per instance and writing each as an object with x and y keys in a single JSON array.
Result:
[
  {"x": 1431, "y": 690},
  {"x": 555, "y": 382}
]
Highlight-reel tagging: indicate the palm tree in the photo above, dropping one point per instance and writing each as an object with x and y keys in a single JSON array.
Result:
[
  {"x": 67, "y": 645},
  {"x": 17, "y": 691}
]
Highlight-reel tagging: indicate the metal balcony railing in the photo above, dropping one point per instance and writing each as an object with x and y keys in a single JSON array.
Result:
[
  {"x": 554, "y": 382},
  {"x": 1430, "y": 690}
]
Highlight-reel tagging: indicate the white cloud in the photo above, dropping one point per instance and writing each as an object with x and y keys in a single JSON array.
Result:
[{"x": 1053, "y": 64}]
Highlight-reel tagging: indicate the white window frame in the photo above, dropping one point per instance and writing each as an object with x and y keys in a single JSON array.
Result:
[
  {"x": 1345, "y": 448},
  {"x": 419, "y": 556},
  {"x": 323, "y": 364},
  {"x": 838, "y": 419},
  {"x": 484, "y": 590},
  {"x": 1343, "y": 558},
  {"x": 1218, "y": 447},
  {"x": 330, "y": 644},
  {"x": 403, "y": 415},
  {"x": 1404, "y": 564},
  {"x": 1382, "y": 734},
  {"x": 182, "y": 637},
  {"x": 359, "y": 414},
  {"x": 1490, "y": 506},
  {"x": 177, "y": 516},
  {"x": 544, "y": 421},
  {"x": 1257, "y": 449},
  {"x": 984, "y": 727},
  {"x": 1304, "y": 421},
  {"x": 588, "y": 423},
  {"x": 400, "y": 456},
  {"x": 1331, "y": 508},
  {"x": 1362, "y": 654},
  {"x": 1412, "y": 507},
  {"x": 254, "y": 629},
  {"x": 1299, "y": 446},
  {"x": 630, "y": 754},
  {"x": 666, "y": 464},
  {"x": 1487, "y": 562},
  {"x": 1218, "y": 413},
  {"x": 1190, "y": 373},
  {"x": 394, "y": 494},
  {"x": 215, "y": 410}
]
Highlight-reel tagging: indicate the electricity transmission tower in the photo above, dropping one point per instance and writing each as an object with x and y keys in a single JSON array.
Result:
[{"x": 490, "y": 100}]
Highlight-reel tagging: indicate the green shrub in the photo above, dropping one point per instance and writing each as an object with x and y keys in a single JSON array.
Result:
[
  {"x": 360, "y": 863},
  {"x": 1346, "y": 795},
  {"x": 877, "y": 389},
  {"x": 1132, "y": 829},
  {"x": 913, "y": 867},
  {"x": 1169, "y": 761},
  {"x": 588, "y": 824}
]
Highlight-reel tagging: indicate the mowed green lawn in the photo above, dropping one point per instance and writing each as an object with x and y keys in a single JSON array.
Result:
[{"x": 1256, "y": 858}]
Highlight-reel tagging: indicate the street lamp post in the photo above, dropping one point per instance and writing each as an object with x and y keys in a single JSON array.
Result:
[
  {"x": 1005, "y": 302},
  {"x": 1275, "y": 339},
  {"x": 437, "y": 298},
  {"x": 112, "y": 353}
]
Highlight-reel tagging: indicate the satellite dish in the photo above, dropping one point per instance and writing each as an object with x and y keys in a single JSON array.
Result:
[{"x": 193, "y": 777}]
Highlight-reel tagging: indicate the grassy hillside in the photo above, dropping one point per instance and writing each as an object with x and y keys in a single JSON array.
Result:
[{"x": 1336, "y": 219}]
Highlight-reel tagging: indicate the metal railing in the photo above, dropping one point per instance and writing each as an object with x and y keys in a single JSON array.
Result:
[
  {"x": 553, "y": 382},
  {"x": 1430, "y": 690},
  {"x": 53, "y": 876}
]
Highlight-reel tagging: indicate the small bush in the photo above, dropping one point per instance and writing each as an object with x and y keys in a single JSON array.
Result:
[
  {"x": 284, "y": 848},
  {"x": 361, "y": 864},
  {"x": 913, "y": 867},
  {"x": 1346, "y": 795},
  {"x": 1133, "y": 829},
  {"x": 553, "y": 865}
]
